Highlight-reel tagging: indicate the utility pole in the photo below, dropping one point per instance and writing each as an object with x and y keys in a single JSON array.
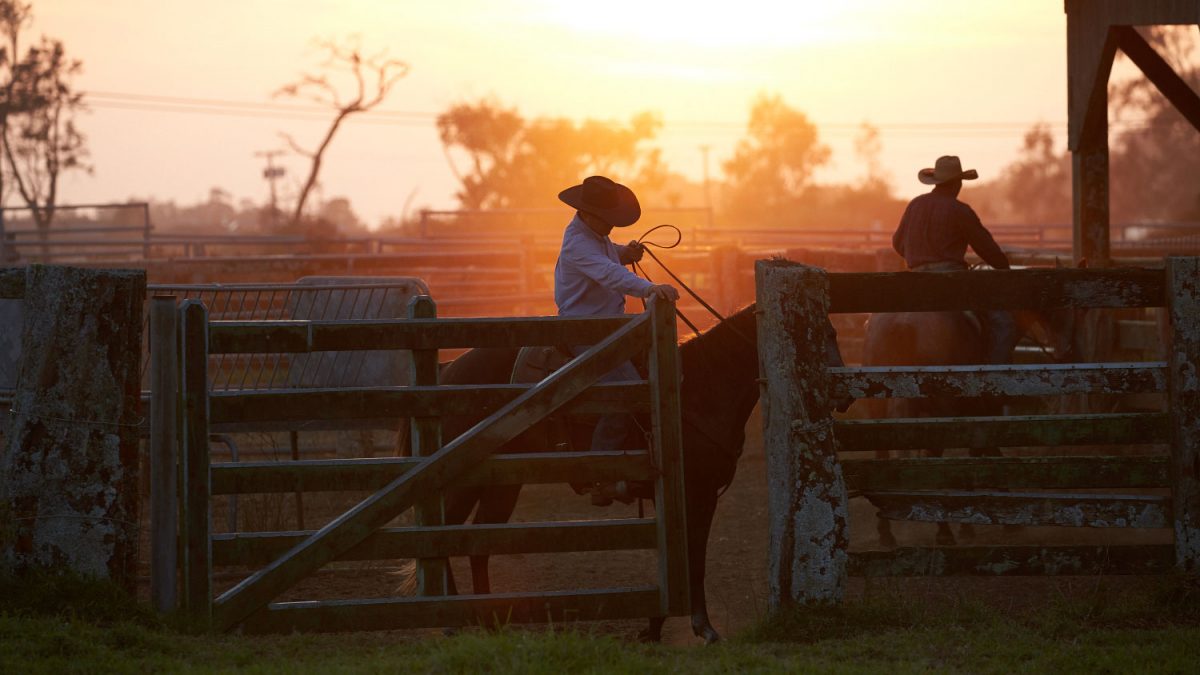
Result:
[
  {"x": 272, "y": 173},
  {"x": 707, "y": 193}
]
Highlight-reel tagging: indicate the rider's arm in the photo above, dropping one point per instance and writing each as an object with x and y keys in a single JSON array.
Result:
[
  {"x": 981, "y": 240},
  {"x": 898, "y": 237},
  {"x": 592, "y": 262}
]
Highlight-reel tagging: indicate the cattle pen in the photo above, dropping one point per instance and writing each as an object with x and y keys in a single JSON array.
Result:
[{"x": 809, "y": 560}]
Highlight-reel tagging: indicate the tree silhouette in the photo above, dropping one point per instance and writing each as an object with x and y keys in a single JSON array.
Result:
[
  {"x": 37, "y": 125},
  {"x": 504, "y": 161},
  {"x": 373, "y": 75},
  {"x": 1156, "y": 157},
  {"x": 772, "y": 167}
]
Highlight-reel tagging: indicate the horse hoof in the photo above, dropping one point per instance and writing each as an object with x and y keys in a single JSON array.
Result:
[{"x": 709, "y": 634}]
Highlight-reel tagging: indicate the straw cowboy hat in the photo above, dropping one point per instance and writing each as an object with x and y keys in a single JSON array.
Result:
[
  {"x": 604, "y": 198},
  {"x": 947, "y": 168}
]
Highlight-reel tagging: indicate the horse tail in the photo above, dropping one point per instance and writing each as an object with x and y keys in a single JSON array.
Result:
[
  {"x": 403, "y": 443},
  {"x": 406, "y": 572}
]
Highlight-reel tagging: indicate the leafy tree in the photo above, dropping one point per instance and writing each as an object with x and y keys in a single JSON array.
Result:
[
  {"x": 1037, "y": 185},
  {"x": 373, "y": 75},
  {"x": 772, "y": 167},
  {"x": 504, "y": 161},
  {"x": 37, "y": 115}
]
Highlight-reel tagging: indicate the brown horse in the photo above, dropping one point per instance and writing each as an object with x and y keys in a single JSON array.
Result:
[
  {"x": 719, "y": 391},
  {"x": 951, "y": 338}
]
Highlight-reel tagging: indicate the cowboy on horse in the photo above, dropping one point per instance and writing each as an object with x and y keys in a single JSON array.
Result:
[
  {"x": 933, "y": 236},
  {"x": 590, "y": 280}
]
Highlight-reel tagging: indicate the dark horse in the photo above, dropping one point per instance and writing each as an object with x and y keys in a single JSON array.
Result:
[
  {"x": 719, "y": 391},
  {"x": 951, "y": 338}
]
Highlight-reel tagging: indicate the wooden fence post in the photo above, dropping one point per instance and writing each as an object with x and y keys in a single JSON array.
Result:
[
  {"x": 1183, "y": 386},
  {"x": 196, "y": 480},
  {"x": 427, "y": 439},
  {"x": 164, "y": 494},
  {"x": 669, "y": 502},
  {"x": 807, "y": 503}
]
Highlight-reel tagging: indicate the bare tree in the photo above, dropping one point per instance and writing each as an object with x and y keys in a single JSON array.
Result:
[{"x": 373, "y": 76}]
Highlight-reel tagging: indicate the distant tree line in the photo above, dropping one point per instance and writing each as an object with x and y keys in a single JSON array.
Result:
[{"x": 504, "y": 160}]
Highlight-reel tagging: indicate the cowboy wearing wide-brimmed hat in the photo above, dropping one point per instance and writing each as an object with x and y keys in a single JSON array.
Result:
[
  {"x": 590, "y": 280},
  {"x": 934, "y": 234}
]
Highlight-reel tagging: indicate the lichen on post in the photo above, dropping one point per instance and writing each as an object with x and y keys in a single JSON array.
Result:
[
  {"x": 807, "y": 509},
  {"x": 68, "y": 473},
  {"x": 1183, "y": 382}
]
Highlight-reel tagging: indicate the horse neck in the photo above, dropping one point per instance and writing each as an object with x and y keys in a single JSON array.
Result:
[{"x": 720, "y": 367}]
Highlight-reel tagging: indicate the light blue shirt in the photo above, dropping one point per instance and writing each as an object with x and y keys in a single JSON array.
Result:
[{"x": 589, "y": 279}]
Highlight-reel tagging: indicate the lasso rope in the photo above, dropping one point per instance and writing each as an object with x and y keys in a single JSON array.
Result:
[{"x": 639, "y": 269}]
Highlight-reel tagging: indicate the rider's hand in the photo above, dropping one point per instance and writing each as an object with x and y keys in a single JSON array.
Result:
[
  {"x": 633, "y": 251},
  {"x": 663, "y": 292}
]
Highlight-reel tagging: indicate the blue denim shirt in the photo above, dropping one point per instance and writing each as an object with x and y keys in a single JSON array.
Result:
[{"x": 588, "y": 277}]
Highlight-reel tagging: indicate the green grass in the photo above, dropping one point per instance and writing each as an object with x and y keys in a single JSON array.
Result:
[{"x": 887, "y": 631}]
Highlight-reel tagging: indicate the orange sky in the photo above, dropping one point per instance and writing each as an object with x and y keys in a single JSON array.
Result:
[{"x": 964, "y": 78}]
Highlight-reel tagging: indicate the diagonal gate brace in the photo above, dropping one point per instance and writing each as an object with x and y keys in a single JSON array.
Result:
[{"x": 432, "y": 474}]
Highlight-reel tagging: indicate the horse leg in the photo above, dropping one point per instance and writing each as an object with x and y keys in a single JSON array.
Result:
[
  {"x": 699, "y": 519},
  {"x": 457, "y": 507},
  {"x": 883, "y": 526},
  {"x": 699, "y": 525},
  {"x": 944, "y": 536},
  {"x": 496, "y": 505}
]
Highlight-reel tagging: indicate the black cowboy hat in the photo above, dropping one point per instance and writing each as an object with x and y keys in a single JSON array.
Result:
[{"x": 604, "y": 198}]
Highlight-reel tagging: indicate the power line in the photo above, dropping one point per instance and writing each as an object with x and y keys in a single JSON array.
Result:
[{"x": 250, "y": 109}]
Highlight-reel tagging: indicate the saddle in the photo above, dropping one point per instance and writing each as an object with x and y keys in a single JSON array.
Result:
[{"x": 534, "y": 364}]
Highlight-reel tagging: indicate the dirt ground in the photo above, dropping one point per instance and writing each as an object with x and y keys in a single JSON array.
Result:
[{"x": 737, "y": 554}]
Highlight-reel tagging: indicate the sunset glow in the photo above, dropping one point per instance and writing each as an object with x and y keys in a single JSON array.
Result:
[
  {"x": 751, "y": 23},
  {"x": 969, "y": 78}
]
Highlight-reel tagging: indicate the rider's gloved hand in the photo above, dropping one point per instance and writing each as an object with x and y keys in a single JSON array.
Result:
[{"x": 663, "y": 292}]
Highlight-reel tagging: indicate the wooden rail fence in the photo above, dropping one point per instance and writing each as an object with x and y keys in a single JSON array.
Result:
[
  {"x": 398, "y": 484},
  {"x": 809, "y": 557}
]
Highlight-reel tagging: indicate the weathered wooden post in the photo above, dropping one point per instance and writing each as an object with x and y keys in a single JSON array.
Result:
[
  {"x": 197, "y": 521},
  {"x": 69, "y": 468},
  {"x": 1183, "y": 386},
  {"x": 807, "y": 503},
  {"x": 164, "y": 494},
  {"x": 426, "y": 438}
]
